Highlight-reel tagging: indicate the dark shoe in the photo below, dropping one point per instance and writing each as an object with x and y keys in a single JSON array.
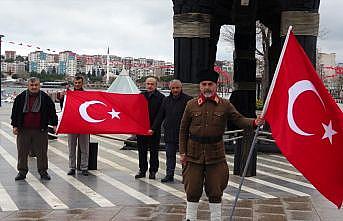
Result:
[
  {"x": 167, "y": 179},
  {"x": 20, "y": 177},
  {"x": 84, "y": 172},
  {"x": 140, "y": 174},
  {"x": 71, "y": 172},
  {"x": 152, "y": 175},
  {"x": 45, "y": 176}
]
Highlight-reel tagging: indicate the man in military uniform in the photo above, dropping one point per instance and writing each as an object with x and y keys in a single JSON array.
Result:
[{"x": 202, "y": 148}]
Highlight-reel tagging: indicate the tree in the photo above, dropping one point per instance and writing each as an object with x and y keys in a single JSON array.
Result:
[
  {"x": 142, "y": 79},
  {"x": 166, "y": 78},
  {"x": 265, "y": 34},
  {"x": 53, "y": 71},
  {"x": 103, "y": 72},
  {"x": 19, "y": 58}
]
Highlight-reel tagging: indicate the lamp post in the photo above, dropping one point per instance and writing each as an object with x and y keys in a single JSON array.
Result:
[{"x": 0, "y": 68}]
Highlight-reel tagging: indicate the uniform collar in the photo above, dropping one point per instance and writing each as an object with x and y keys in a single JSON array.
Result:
[{"x": 202, "y": 99}]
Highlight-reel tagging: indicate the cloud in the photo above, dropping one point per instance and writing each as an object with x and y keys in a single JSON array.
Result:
[
  {"x": 131, "y": 28},
  {"x": 137, "y": 28}
]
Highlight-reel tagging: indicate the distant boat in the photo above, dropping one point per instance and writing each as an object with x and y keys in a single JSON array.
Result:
[
  {"x": 8, "y": 100},
  {"x": 54, "y": 84}
]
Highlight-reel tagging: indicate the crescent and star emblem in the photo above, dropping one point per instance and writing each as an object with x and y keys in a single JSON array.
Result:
[
  {"x": 84, "y": 114},
  {"x": 293, "y": 93}
]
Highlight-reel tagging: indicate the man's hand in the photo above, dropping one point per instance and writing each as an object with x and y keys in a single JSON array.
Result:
[
  {"x": 259, "y": 121},
  {"x": 183, "y": 159},
  {"x": 151, "y": 132},
  {"x": 15, "y": 130},
  {"x": 54, "y": 128}
]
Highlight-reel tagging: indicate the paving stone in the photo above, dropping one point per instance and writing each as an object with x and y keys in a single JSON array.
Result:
[
  {"x": 245, "y": 203},
  {"x": 59, "y": 218},
  {"x": 4, "y": 214},
  {"x": 271, "y": 217},
  {"x": 97, "y": 213},
  {"x": 297, "y": 199},
  {"x": 269, "y": 209},
  {"x": 169, "y": 217},
  {"x": 300, "y": 215},
  {"x": 239, "y": 212},
  {"x": 36, "y": 214},
  {"x": 236, "y": 218},
  {"x": 275, "y": 201},
  {"x": 143, "y": 212},
  {"x": 303, "y": 206},
  {"x": 172, "y": 209}
]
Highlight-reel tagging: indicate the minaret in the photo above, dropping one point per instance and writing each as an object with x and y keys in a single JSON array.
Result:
[{"x": 108, "y": 66}]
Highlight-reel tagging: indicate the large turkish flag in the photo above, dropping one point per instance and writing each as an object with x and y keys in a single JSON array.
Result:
[
  {"x": 95, "y": 112},
  {"x": 306, "y": 123}
]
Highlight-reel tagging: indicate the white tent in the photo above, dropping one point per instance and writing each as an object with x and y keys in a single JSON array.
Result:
[{"x": 123, "y": 84}]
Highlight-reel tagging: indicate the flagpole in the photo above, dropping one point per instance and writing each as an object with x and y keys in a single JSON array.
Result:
[
  {"x": 244, "y": 171},
  {"x": 272, "y": 85},
  {"x": 276, "y": 73}
]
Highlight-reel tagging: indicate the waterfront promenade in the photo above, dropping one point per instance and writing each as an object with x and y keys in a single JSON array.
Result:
[{"x": 278, "y": 192}]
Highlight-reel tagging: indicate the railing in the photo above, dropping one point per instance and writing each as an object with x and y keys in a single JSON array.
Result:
[{"x": 229, "y": 136}]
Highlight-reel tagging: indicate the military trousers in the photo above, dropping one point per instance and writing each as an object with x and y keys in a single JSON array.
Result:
[{"x": 214, "y": 177}]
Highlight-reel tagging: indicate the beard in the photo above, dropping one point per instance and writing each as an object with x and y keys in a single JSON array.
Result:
[{"x": 208, "y": 94}]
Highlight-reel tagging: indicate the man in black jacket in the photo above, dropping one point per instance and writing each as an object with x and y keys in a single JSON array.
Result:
[
  {"x": 32, "y": 111},
  {"x": 171, "y": 112},
  {"x": 154, "y": 98}
]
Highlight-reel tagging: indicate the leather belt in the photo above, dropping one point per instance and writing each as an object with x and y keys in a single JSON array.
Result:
[{"x": 205, "y": 140}]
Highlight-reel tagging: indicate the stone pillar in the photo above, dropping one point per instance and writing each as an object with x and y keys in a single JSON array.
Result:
[
  {"x": 195, "y": 41},
  {"x": 304, "y": 17},
  {"x": 244, "y": 94}
]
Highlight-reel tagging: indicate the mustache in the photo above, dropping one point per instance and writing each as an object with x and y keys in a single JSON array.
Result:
[{"x": 207, "y": 93}]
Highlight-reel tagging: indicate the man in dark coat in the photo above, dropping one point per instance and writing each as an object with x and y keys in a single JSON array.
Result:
[
  {"x": 154, "y": 98},
  {"x": 171, "y": 112},
  {"x": 202, "y": 148},
  {"x": 32, "y": 111}
]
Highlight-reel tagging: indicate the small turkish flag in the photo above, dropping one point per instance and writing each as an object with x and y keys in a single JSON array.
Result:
[
  {"x": 95, "y": 112},
  {"x": 306, "y": 122}
]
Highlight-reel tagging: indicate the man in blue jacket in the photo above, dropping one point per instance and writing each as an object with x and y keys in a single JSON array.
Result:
[
  {"x": 171, "y": 112},
  {"x": 32, "y": 111}
]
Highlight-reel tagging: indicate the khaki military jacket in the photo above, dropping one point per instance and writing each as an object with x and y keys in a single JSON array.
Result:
[{"x": 207, "y": 120}]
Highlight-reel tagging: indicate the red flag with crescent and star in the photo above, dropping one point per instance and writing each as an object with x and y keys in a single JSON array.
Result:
[
  {"x": 306, "y": 123},
  {"x": 95, "y": 112}
]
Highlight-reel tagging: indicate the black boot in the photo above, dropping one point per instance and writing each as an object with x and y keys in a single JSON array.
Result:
[
  {"x": 152, "y": 175},
  {"x": 140, "y": 174},
  {"x": 84, "y": 172},
  {"x": 20, "y": 177},
  {"x": 167, "y": 179},
  {"x": 71, "y": 172},
  {"x": 45, "y": 176}
]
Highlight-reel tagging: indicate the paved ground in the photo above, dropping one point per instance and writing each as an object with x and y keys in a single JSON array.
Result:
[{"x": 278, "y": 192}]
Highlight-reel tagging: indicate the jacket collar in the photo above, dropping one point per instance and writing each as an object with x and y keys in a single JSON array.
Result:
[
  {"x": 202, "y": 99},
  {"x": 153, "y": 93},
  {"x": 177, "y": 97}
]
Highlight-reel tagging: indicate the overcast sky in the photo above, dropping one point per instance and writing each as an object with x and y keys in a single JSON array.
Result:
[{"x": 136, "y": 28}]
